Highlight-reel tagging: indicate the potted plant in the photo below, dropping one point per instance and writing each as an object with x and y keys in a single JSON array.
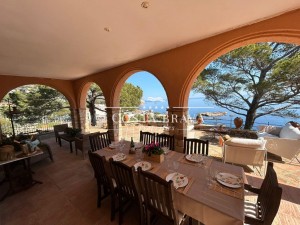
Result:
[{"x": 154, "y": 152}]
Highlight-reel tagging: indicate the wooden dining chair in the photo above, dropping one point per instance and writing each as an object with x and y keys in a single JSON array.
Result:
[
  {"x": 101, "y": 176},
  {"x": 195, "y": 146},
  {"x": 264, "y": 210},
  {"x": 99, "y": 140},
  {"x": 158, "y": 195},
  {"x": 165, "y": 140},
  {"x": 127, "y": 191},
  {"x": 147, "y": 137}
]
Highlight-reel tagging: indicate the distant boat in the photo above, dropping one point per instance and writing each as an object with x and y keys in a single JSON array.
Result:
[{"x": 213, "y": 114}]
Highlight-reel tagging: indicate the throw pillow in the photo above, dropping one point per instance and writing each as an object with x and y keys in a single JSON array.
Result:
[
  {"x": 32, "y": 145},
  {"x": 290, "y": 132}
]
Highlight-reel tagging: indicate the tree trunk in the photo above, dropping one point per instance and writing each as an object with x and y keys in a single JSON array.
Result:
[
  {"x": 93, "y": 116},
  {"x": 250, "y": 117}
]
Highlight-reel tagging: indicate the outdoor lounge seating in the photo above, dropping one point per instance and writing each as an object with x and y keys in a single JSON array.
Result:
[
  {"x": 244, "y": 151},
  {"x": 59, "y": 129},
  {"x": 25, "y": 141},
  {"x": 279, "y": 142}
]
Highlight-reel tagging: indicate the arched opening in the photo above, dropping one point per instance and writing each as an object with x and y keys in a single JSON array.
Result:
[
  {"x": 33, "y": 108},
  {"x": 96, "y": 118},
  {"x": 256, "y": 85},
  {"x": 143, "y": 105}
]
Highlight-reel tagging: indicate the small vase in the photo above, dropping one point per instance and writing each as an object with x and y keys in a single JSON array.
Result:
[
  {"x": 126, "y": 118},
  {"x": 155, "y": 158},
  {"x": 238, "y": 122}
]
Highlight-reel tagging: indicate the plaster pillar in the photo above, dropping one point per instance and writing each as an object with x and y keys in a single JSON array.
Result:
[
  {"x": 75, "y": 118},
  {"x": 114, "y": 123},
  {"x": 82, "y": 119},
  {"x": 178, "y": 119}
]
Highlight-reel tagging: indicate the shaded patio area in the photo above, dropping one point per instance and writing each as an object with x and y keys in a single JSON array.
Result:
[{"x": 68, "y": 194}]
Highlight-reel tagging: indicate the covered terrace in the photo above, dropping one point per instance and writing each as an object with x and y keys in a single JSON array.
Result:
[{"x": 69, "y": 45}]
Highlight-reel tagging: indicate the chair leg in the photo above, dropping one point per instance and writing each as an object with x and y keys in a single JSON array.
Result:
[
  {"x": 112, "y": 207},
  {"x": 120, "y": 210},
  {"x": 99, "y": 194}
]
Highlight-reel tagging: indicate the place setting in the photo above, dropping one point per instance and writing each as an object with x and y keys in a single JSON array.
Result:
[
  {"x": 119, "y": 157},
  {"x": 146, "y": 166},
  {"x": 181, "y": 182},
  {"x": 196, "y": 160},
  {"x": 225, "y": 182}
]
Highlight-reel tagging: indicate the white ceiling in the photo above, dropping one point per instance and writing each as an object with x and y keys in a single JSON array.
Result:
[{"x": 65, "y": 39}]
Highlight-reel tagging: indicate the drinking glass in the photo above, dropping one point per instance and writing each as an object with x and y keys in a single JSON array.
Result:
[
  {"x": 139, "y": 156},
  {"x": 165, "y": 149},
  {"x": 122, "y": 144},
  {"x": 175, "y": 165},
  {"x": 208, "y": 176}
]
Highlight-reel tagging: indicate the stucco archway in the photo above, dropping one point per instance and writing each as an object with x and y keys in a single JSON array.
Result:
[
  {"x": 275, "y": 36},
  {"x": 81, "y": 99},
  {"x": 36, "y": 111}
]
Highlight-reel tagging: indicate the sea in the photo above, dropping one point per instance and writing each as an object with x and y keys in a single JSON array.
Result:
[{"x": 200, "y": 105}]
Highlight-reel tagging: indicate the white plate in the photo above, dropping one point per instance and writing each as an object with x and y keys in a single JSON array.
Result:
[
  {"x": 194, "y": 158},
  {"x": 115, "y": 145},
  {"x": 229, "y": 180},
  {"x": 145, "y": 165},
  {"x": 179, "y": 180},
  {"x": 119, "y": 157}
]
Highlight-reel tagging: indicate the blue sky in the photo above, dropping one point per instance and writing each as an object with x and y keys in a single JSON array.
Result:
[{"x": 150, "y": 85}]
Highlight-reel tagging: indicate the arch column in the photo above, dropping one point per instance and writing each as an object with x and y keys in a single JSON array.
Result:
[
  {"x": 82, "y": 119},
  {"x": 75, "y": 118},
  {"x": 114, "y": 123},
  {"x": 178, "y": 118}
]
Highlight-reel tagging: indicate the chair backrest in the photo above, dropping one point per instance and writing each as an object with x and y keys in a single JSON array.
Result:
[
  {"x": 158, "y": 195},
  {"x": 99, "y": 140},
  {"x": 165, "y": 140},
  {"x": 124, "y": 177},
  {"x": 59, "y": 128},
  {"x": 195, "y": 146},
  {"x": 97, "y": 163},
  {"x": 269, "y": 198},
  {"x": 147, "y": 137}
]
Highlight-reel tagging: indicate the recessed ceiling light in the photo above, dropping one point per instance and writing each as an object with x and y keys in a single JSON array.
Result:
[
  {"x": 107, "y": 29},
  {"x": 145, "y": 4}
]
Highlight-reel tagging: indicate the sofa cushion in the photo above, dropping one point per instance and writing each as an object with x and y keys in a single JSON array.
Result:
[
  {"x": 265, "y": 134},
  {"x": 247, "y": 143},
  {"x": 290, "y": 132}
]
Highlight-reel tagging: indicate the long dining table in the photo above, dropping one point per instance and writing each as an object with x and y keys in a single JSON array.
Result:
[{"x": 199, "y": 200}]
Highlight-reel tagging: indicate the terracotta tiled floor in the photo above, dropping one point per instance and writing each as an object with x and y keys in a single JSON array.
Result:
[{"x": 68, "y": 194}]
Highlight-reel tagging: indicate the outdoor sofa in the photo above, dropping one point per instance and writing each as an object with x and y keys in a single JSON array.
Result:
[{"x": 282, "y": 141}]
